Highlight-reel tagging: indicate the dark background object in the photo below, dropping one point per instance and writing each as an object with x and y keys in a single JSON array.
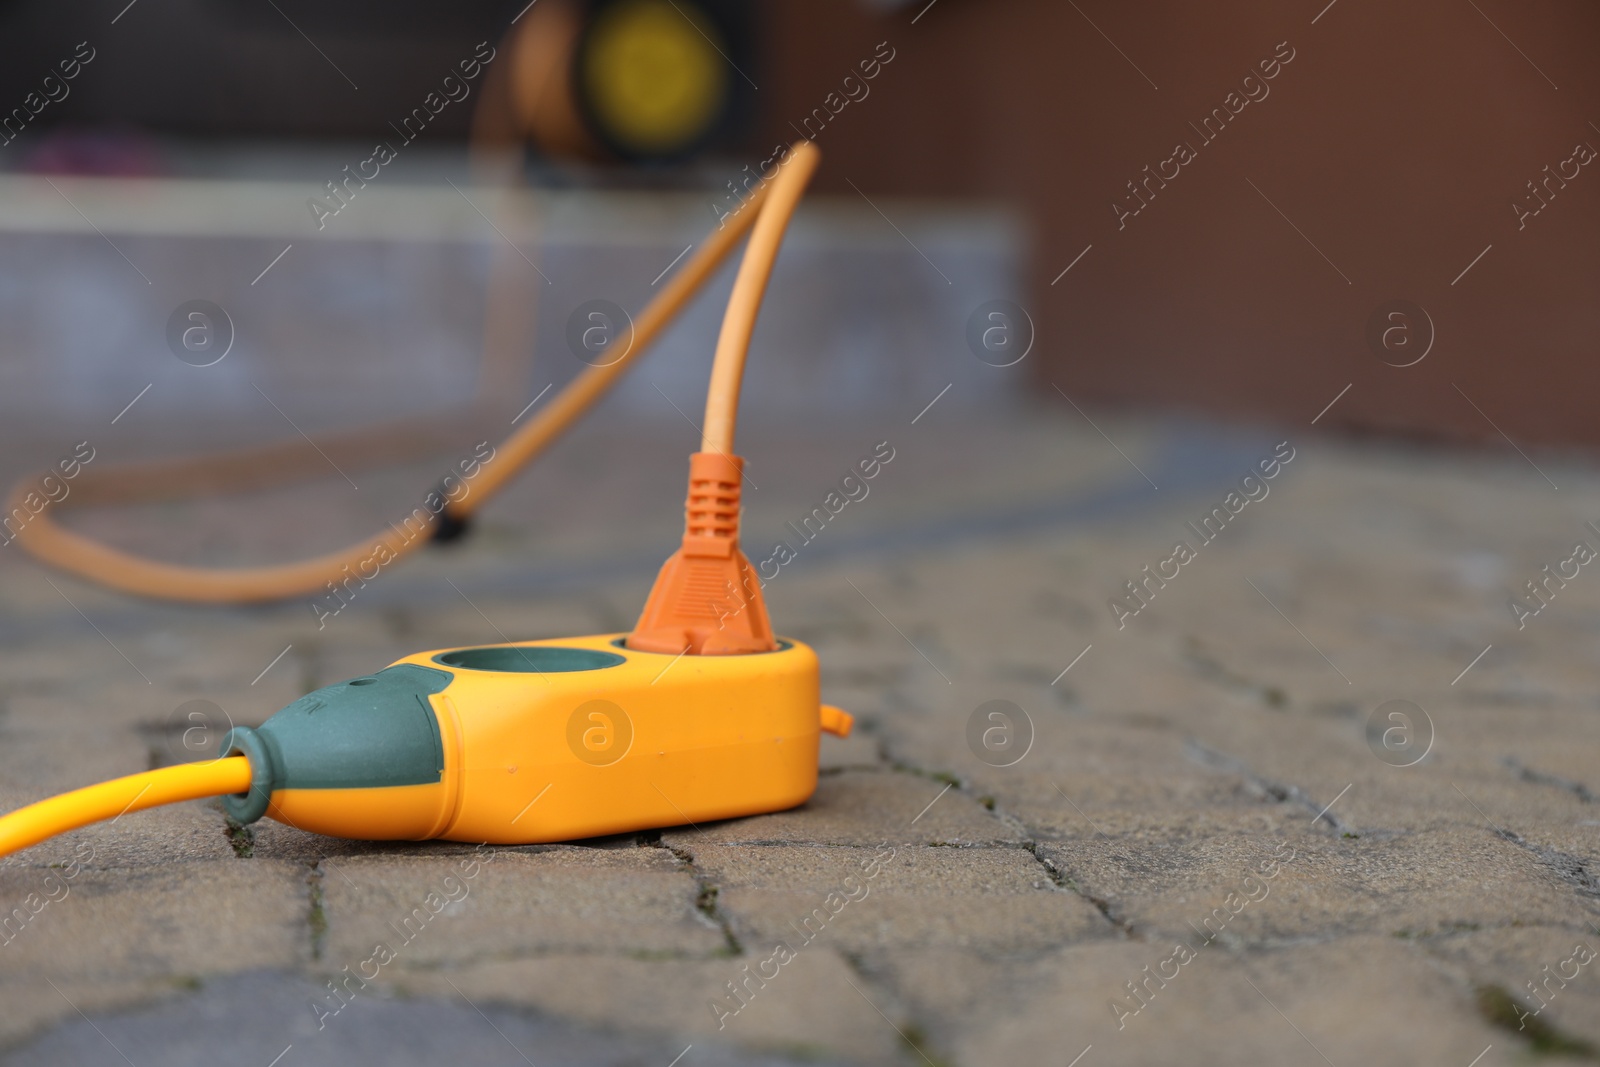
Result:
[
  {"x": 726, "y": 32},
  {"x": 240, "y": 68},
  {"x": 1383, "y": 165},
  {"x": 288, "y": 69}
]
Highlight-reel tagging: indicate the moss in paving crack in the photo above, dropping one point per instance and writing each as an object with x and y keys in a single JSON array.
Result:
[
  {"x": 656, "y": 955},
  {"x": 706, "y": 904},
  {"x": 913, "y": 1037},
  {"x": 241, "y": 837},
  {"x": 1055, "y": 874},
  {"x": 987, "y": 802},
  {"x": 806, "y": 1052},
  {"x": 911, "y": 1034},
  {"x": 705, "y": 900},
  {"x": 1498, "y": 1007},
  {"x": 1528, "y": 774},
  {"x": 1214, "y": 670},
  {"x": 934, "y": 776},
  {"x": 1445, "y": 929},
  {"x": 1065, "y": 881},
  {"x": 1569, "y": 868}
]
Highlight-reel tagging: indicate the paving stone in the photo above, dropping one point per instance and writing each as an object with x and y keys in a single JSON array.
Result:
[
  {"x": 1096, "y": 764},
  {"x": 1547, "y": 973},
  {"x": 858, "y": 750},
  {"x": 1359, "y": 1000},
  {"x": 1164, "y": 767},
  {"x": 863, "y": 808},
  {"x": 457, "y": 907},
  {"x": 1198, "y": 878},
  {"x": 1572, "y": 849},
  {"x": 253, "y": 1018},
  {"x": 1465, "y": 777},
  {"x": 860, "y": 900},
  {"x": 157, "y": 923},
  {"x": 33, "y": 1008},
  {"x": 817, "y": 1006},
  {"x": 40, "y": 760}
]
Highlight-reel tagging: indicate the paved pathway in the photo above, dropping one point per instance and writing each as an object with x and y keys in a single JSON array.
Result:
[{"x": 1202, "y": 836}]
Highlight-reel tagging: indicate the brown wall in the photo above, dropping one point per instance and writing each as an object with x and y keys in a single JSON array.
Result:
[{"x": 1397, "y": 139}]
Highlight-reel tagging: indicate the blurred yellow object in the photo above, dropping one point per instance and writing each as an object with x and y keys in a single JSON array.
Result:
[{"x": 652, "y": 77}]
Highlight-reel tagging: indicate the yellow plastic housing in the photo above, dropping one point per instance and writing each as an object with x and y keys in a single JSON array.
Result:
[{"x": 653, "y": 740}]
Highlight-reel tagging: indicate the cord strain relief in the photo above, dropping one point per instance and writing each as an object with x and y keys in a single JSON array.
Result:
[
  {"x": 711, "y": 512},
  {"x": 245, "y": 808}
]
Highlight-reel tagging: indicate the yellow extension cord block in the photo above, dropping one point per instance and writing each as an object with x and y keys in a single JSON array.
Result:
[{"x": 540, "y": 741}]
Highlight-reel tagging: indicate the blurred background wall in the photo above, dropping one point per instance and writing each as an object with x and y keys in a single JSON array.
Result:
[
  {"x": 1396, "y": 142},
  {"x": 1426, "y": 160}
]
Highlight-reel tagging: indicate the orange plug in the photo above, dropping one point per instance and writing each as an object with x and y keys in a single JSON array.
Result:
[{"x": 707, "y": 600}]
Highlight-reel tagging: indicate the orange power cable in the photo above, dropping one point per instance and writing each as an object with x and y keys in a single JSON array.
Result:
[
  {"x": 49, "y": 541},
  {"x": 739, "y": 322}
]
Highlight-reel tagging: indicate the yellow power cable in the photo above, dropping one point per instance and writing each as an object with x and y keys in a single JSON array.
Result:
[{"x": 110, "y": 800}]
